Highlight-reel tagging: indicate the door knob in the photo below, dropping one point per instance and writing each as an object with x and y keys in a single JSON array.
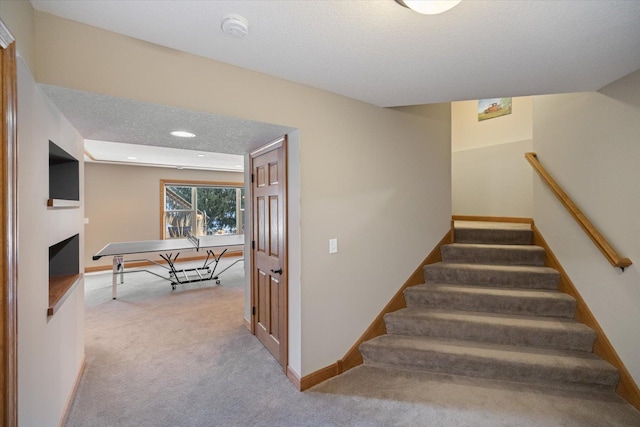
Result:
[{"x": 278, "y": 271}]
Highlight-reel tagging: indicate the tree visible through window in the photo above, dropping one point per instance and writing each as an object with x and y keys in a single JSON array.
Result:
[{"x": 201, "y": 209}]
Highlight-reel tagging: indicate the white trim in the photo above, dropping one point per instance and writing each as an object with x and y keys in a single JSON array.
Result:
[
  {"x": 61, "y": 203},
  {"x": 6, "y": 38},
  {"x": 266, "y": 148},
  {"x": 72, "y": 395}
]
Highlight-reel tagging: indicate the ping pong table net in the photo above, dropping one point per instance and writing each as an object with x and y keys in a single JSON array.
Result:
[{"x": 194, "y": 240}]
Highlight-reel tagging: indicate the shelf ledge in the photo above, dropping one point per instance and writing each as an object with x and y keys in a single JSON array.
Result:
[
  {"x": 60, "y": 287},
  {"x": 62, "y": 203}
]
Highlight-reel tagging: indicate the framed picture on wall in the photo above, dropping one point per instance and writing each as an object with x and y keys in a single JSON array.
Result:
[{"x": 493, "y": 107}]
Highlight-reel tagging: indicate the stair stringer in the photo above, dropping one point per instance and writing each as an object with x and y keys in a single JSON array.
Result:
[
  {"x": 353, "y": 357},
  {"x": 627, "y": 387}
]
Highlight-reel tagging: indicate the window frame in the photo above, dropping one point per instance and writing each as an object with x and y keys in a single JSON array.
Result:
[{"x": 197, "y": 183}]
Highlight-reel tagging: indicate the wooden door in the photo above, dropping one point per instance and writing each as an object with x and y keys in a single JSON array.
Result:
[{"x": 269, "y": 249}]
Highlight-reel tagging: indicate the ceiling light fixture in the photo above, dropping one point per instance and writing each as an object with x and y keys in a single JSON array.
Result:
[
  {"x": 183, "y": 134},
  {"x": 132, "y": 158},
  {"x": 428, "y": 7},
  {"x": 200, "y": 155}
]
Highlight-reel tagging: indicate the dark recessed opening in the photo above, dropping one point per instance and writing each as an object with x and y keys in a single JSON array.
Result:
[
  {"x": 64, "y": 178},
  {"x": 64, "y": 257}
]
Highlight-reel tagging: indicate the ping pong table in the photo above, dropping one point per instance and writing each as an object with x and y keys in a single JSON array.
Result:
[{"x": 176, "y": 276}]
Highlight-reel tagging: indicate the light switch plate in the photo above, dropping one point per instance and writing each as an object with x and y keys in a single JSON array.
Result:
[{"x": 333, "y": 246}]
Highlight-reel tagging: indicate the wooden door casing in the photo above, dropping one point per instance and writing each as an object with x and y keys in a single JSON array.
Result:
[
  {"x": 269, "y": 266},
  {"x": 9, "y": 231}
]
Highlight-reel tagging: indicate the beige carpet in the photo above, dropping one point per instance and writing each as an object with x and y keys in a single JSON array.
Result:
[{"x": 157, "y": 357}]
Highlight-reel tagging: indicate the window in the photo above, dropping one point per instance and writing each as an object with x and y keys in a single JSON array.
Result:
[{"x": 201, "y": 208}]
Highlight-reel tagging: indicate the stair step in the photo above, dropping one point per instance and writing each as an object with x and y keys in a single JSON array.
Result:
[
  {"x": 492, "y": 328},
  {"x": 500, "y": 236},
  {"x": 533, "y": 365},
  {"x": 493, "y": 300},
  {"x": 471, "y": 253},
  {"x": 505, "y": 276}
]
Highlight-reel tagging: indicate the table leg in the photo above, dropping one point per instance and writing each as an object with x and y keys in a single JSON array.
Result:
[{"x": 118, "y": 267}]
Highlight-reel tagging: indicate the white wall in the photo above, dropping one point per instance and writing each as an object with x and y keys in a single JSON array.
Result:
[
  {"x": 294, "y": 274},
  {"x": 50, "y": 350},
  {"x": 119, "y": 211},
  {"x": 365, "y": 171},
  {"x": 386, "y": 197},
  {"x": 467, "y": 133},
  {"x": 489, "y": 174},
  {"x": 589, "y": 143},
  {"x": 18, "y": 16}
]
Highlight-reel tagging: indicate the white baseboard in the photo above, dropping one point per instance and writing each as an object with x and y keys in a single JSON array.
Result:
[{"x": 72, "y": 395}]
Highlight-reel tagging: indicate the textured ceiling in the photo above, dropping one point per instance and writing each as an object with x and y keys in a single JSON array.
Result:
[
  {"x": 105, "y": 120},
  {"x": 387, "y": 55},
  {"x": 374, "y": 51}
]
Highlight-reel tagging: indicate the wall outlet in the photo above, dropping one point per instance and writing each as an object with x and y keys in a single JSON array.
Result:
[{"x": 333, "y": 246}]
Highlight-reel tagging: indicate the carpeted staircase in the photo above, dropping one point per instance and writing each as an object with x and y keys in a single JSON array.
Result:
[{"x": 491, "y": 309}]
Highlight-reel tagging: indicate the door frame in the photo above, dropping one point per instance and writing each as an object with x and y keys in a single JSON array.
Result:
[
  {"x": 9, "y": 227},
  {"x": 278, "y": 143}
]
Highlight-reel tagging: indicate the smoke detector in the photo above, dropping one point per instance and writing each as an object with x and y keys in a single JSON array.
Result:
[{"x": 235, "y": 26}]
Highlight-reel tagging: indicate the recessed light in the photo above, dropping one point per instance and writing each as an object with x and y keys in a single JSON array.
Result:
[
  {"x": 132, "y": 158},
  {"x": 183, "y": 134},
  {"x": 200, "y": 155}
]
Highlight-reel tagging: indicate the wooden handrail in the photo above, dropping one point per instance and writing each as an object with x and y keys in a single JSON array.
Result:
[{"x": 593, "y": 233}]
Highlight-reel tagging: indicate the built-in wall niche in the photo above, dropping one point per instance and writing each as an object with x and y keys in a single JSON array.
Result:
[
  {"x": 64, "y": 271},
  {"x": 64, "y": 178}
]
